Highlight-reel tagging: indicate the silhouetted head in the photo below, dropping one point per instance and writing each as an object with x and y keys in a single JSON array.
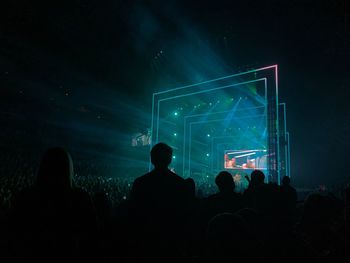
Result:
[
  {"x": 55, "y": 170},
  {"x": 225, "y": 182},
  {"x": 286, "y": 180},
  {"x": 257, "y": 177},
  {"x": 161, "y": 155}
]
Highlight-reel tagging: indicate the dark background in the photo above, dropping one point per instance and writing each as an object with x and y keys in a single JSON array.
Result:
[{"x": 81, "y": 73}]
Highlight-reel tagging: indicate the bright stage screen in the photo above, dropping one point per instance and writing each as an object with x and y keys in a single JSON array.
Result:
[{"x": 245, "y": 159}]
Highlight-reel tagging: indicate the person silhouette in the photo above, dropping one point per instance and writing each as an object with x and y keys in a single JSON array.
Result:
[
  {"x": 191, "y": 188},
  {"x": 226, "y": 200},
  {"x": 288, "y": 194},
  {"x": 158, "y": 208},
  {"x": 54, "y": 218},
  {"x": 259, "y": 195}
]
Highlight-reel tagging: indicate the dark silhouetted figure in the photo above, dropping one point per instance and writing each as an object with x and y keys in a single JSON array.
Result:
[
  {"x": 257, "y": 190},
  {"x": 191, "y": 188},
  {"x": 265, "y": 200},
  {"x": 226, "y": 200},
  {"x": 106, "y": 229},
  {"x": 289, "y": 192},
  {"x": 158, "y": 209},
  {"x": 228, "y": 240},
  {"x": 54, "y": 220},
  {"x": 288, "y": 199}
]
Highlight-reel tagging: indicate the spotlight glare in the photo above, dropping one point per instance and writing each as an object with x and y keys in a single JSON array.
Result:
[
  {"x": 174, "y": 157},
  {"x": 175, "y": 113},
  {"x": 207, "y": 154},
  {"x": 175, "y": 134},
  {"x": 208, "y": 135}
]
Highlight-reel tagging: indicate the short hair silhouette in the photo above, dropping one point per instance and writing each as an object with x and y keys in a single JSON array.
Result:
[
  {"x": 257, "y": 177},
  {"x": 161, "y": 155},
  {"x": 225, "y": 182},
  {"x": 55, "y": 170}
]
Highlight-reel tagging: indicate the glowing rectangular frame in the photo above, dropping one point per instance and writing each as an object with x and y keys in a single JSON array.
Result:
[
  {"x": 286, "y": 146},
  {"x": 290, "y": 175},
  {"x": 199, "y": 92},
  {"x": 189, "y": 153},
  {"x": 220, "y": 137},
  {"x": 275, "y": 67},
  {"x": 205, "y": 91},
  {"x": 206, "y": 114},
  {"x": 199, "y": 122}
]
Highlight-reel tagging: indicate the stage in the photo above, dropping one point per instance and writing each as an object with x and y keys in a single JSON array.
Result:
[{"x": 233, "y": 123}]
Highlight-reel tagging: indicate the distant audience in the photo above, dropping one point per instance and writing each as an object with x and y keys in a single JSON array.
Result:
[{"x": 52, "y": 213}]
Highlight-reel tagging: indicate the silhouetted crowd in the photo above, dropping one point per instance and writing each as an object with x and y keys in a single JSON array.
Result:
[{"x": 55, "y": 215}]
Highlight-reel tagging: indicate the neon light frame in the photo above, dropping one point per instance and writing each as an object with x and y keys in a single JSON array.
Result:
[
  {"x": 206, "y": 114},
  {"x": 276, "y": 166},
  {"x": 205, "y": 91},
  {"x": 288, "y": 154},
  {"x": 199, "y": 122},
  {"x": 212, "y": 138},
  {"x": 286, "y": 146}
]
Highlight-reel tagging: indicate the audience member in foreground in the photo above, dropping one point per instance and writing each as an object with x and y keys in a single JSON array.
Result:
[
  {"x": 158, "y": 209},
  {"x": 53, "y": 220}
]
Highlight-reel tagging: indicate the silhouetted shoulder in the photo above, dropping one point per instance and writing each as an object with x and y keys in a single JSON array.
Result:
[{"x": 155, "y": 176}]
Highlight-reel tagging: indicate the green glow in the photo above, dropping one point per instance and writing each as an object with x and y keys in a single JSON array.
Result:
[
  {"x": 200, "y": 92},
  {"x": 200, "y": 122},
  {"x": 212, "y": 80},
  {"x": 273, "y": 83}
]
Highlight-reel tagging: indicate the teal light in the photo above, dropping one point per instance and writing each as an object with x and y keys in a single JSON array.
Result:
[
  {"x": 222, "y": 78},
  {"x": 156, "y": 101},
  {"x": 175, "y": 134},
  {"x": 175, "y": 113},
  {"x": 208, "y": 135}
]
